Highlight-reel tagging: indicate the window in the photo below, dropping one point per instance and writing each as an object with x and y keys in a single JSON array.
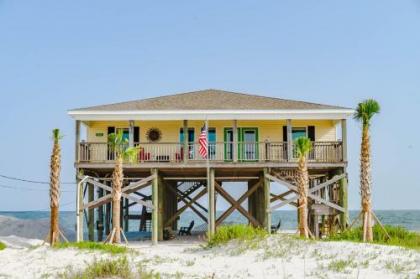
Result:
[
  {"x": 298, "y": 132},
  {"x": 125, "y": 132}
]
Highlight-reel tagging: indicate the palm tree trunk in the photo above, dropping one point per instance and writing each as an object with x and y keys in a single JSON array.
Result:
[
  {"x": 55, "y": 193},
  {"x": 365, "y": 185},
  {"x": 303, "y": 181},
  {"x": 117, "y": 178}
]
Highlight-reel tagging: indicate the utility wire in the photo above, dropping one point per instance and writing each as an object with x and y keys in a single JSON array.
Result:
[
  {"x": 32, "y": 181},
  {"x": 29, "y": 189}
]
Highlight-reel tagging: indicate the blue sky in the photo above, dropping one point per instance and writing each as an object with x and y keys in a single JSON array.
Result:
[{"x": 58, "y": 55}]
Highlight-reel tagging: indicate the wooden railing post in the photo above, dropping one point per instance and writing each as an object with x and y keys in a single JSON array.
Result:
[
  {"x": 344, "y": 138},
  {"x": 289, "y": 140}
]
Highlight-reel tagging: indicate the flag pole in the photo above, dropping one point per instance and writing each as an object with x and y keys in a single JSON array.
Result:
[{"x": 209, "y": 193}]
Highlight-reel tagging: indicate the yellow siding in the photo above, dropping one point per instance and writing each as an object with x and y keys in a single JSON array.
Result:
[{"x": 271, "y": 130}]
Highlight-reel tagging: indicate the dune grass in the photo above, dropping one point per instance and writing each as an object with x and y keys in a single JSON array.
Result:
[
  {"x": 93, "y": 246},
  {"x": 109, "y": 268},
  {"x": 399, "y": 236},
  {"x": 225, "y": 234},
  {"x": 2, "y": 246}
]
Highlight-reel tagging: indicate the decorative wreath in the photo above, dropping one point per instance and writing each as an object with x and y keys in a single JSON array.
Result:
[{"x": 153, "y": 134}]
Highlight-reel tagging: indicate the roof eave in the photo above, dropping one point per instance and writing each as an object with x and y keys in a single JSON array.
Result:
[{"x": 91, "y": 115}]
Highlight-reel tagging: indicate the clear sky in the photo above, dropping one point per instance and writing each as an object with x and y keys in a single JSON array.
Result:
[{"x": 58, "y": 55}]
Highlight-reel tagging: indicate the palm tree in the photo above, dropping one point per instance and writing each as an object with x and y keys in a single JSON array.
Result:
[
  {"x": 364, "y": 113},
  {"x": 119, "y": 145},
  {"x": 303, "y": 147},
  {"x": 55, "y": 168}
]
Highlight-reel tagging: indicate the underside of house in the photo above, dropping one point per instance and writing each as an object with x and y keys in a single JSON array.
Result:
[{"x": 249, "y": 140}]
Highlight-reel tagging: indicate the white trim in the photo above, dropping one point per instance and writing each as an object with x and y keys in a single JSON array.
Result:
[{"x": 328, "y": 114}]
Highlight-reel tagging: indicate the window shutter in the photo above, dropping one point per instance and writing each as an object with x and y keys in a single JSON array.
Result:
[
  {"x": 311, "y": 133},
  {"x": 111, "y": 130},
  {"x": 284, "y": 133},
  {"x": 136, "y": 136}
]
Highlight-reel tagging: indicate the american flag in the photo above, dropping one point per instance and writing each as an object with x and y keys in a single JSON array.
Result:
[{"x": 203, "y": 142}]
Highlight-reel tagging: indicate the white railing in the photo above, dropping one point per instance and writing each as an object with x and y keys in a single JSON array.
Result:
[{"x": 322, "y": 152}]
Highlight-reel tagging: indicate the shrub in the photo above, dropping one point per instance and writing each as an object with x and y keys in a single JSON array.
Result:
[
  {"x": 92, "y": 246},
  {"x": 241, "y": 232},
  {"x": 119, "y": 268},
  {"x": 399, "y": 236},
  {"x": 2, "y": 246}
]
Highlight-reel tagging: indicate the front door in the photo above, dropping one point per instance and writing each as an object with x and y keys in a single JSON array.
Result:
[{"x": 249, "y": 144}]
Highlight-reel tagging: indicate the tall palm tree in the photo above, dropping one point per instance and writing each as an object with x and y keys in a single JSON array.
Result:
[
  {"x": 364, "y": 113},
  {"x": 303, "y": 147},
  {"x": 55, "y": 168},
  {"x": 119, "y": 145}
]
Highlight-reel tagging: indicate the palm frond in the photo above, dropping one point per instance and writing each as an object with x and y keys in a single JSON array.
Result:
[
  {"x": 130, "y": 154},
  {"x": 303, "y": 146},
  {"x": 56, "y": 135},
  {"x": 366, "y": 110}
]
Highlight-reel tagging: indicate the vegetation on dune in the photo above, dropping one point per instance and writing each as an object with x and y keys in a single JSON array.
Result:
[
  {"x": 399, "y": 236},
  {"x": 240, "y": 232},
  {"x": 93, "y": 246},
  {"x": 2, "y": 246},
  {"x": 119, "y": 268}
]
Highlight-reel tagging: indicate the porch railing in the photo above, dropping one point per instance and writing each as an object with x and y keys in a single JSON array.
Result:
[{"x": 322, "y": 152}]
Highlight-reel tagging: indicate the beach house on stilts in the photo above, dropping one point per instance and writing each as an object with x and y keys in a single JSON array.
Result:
[{"x": 249, "y": 139}]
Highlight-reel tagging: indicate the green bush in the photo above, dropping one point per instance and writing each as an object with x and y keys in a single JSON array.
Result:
[
  {"x": 86, "y": 245},
  {"x": 399, "y": 236},
  {"x": 240, "y": 232},
  {"x": 2, "y": 246},
  {"x": 119, "y": 268}
]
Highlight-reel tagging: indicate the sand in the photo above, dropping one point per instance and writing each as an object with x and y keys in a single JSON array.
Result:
[{"x": 279, "y": 256}]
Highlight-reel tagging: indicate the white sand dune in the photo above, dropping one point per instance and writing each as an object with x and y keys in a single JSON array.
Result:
[{"x": 279, "y": 256}]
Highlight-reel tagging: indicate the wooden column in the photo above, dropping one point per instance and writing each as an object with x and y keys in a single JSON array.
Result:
[
  {"x": 235, "y": 140},
  {"x": 155, "y": 211},
  {"x": 212, "y": 205},
  {"x": 131, "y": 133},
  {"x": 161, "y": 207},
  {"x": 77, "y": 141},
  {"x": 126, "y": 214},
  {"x": 91, "y": 213},
  {"x": 267, "y": 203},
  {"x": 289, "y": 141},
  {"x": 186, "y": 147},
  {"x": 100, "y": 216},
  {"x": 344, "y": 138},
  {"x": 79, "y": 212},
  {"x": 343, "y": 192}
]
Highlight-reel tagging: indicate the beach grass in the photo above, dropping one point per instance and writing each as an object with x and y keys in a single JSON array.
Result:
[
  {"x": 225, "y": 234},
  {"x": 93, "y": 246},
  {"x": 108, "y": 268},
  {"x": 2, "y": 246},
  {"x": 400, "y": 236}
]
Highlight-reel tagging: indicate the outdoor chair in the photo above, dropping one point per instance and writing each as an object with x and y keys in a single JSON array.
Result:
[
  {"x": 276, "y": 228},
  {"x": 186, "y": 230}
]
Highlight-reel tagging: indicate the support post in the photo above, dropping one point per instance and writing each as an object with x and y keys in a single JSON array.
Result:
[
  {"x": 267, "y": 211},
  {"x": 91, "y": 213},
  {"x": 79, "y": 211},
  {"x": 77, "y": 141},
  {"x": 126, "y": 214},
  {"x": 344, "y": 138},
  {"x": 212, "y": 207},
  {"x": 235, "y": 141},
  {"x": 161, "y": 208},
  {"x": 186, "y": 147},
  {"x": 343, "y": 192},
  {"x": 100, "y": 216},
  {"x": 289, "y": 141},
  {"x": 131, "y": 133},
  {"x": 155, "y": 210}
]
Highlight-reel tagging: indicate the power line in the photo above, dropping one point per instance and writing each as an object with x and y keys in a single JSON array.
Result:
[
  {"x": 29, "y": 189},
  {"x": 32, "y": 181}
]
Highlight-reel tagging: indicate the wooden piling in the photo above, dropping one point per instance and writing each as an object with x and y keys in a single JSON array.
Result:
[
  {"x": 155, "y": 211},
  {"x": 91, "y": 213}
]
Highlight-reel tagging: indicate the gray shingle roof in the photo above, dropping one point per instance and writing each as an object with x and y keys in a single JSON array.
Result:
[{"x": 210, "y": 99}]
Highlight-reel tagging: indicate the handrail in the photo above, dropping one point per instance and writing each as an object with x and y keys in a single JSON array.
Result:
[{"x": 265, "y": 151}]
